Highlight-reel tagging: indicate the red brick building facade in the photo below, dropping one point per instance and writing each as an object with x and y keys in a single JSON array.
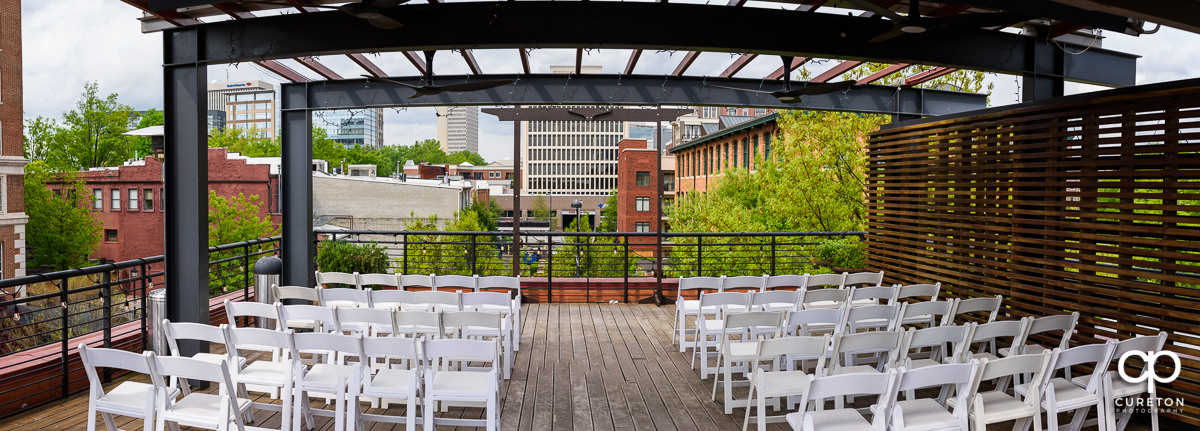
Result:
[
  {"x": 701, "y": 160},
  {"x": 12, "y": 162},
  {"x": 637, "y": 197}
]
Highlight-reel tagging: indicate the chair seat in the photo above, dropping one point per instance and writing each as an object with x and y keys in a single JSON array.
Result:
[
  {"x": 461, "y": 382},
  {"x": 741, "y": 351},
  {"x": 344, "y": 304},
  {"x": 302, "y": 323},
  {"x": 1120, "y": 387},
  {"x": 921, "y": 363},
  {"x": 990, "y": 357},
  {"x": 925, "y": 414},
  {"x": 831, "y": 420},
  {"x": 129, "y": 396},
  {"x": 216, "y": 358},
  {"x": 327, "y": 374},
  {"x": 1067, "y": 396},
  {"x": 493, "y": 308},
  {"x": 263, "y": 372},
  {"x": 201, "y": 407},
  {"x": 713, "y": 325},
  {"x": 858, "y": 369},
  {"x": 783, "y": 382},
  {"x": 1029, "y": 349},
  {"x": 390, "y": 382},
  {"x": 1002, "y": 407}
]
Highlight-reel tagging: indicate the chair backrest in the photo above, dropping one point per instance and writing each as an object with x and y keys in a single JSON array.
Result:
[
  {"x": 375, "y": 317},
  {"x": 323, "y": 318},
  {"x": 721, "y": 301},
  {"x": 94, "y": 358},
  {"x": 342, "y": 298},
  {"x": 747, "y": 283},
  {"x": 822, "y": 281},
  {"x": 856, "y": 316},
  {"x": 785, "y": 282},
  {"x": 802, "y": 322},
  {"x": 258, "y": 310},
  {"x": 1011, "y": 366},
  {"x": 878, "y": 384},
  {"x": 259, "y": 339},
  {"x": 961, "y": 376},
  {"x": 754, "y": 319},
  {"x": 417, "y": 281},
  {"x": 927, "y": 292},
  {"x": 497, "y": 282},
  {"x": 1100, "y": 355},
  {"x": 836, "y": 296},
  {"x": 986, "y": 305},
  {"x": 937, "y": 337},
  {"x": 454, "y": 283},
  {"x": 330, "y": 279},
  {"x": 387, "y": 298},
  {"x": 296, "y": 293},
  {"x": 191, "y": 370},
  {"x": 451, "y": 299},
  {"x": 457, "y": 319},
  {"x": 699, "y": 284},
  {"x": 474, "y": 299},
  {"x": 429, "y": 322},
  {"x": 1014, "y": 330},
  {"x": 759, "y": 299},
  {"x": 1144, "y": 343},
  {"x": 936, "y": 311},
  {"x": 378, "y": 280},
  {"x": 885, "y": 342},
  {"x": 1064, "y": 323},
  {"x": 462, "y": 350},
  {"x": 191, "y": 331},
  {"x": 885, "y": 293},
  {"x": 863, "y": 279},
  {"x": 392, "y": 347},
  {"x": 801, "y": 348},
  {"x": 320, "y": 342}
]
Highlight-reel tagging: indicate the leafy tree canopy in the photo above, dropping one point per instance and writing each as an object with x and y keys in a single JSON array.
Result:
[
  {"x": 141, "y": 144},
  {"x": 61, "y": 231},
  {"x": 90, "y": 135},
  {"x": 608, "y": 214},
  {"x": 236, "y": 219}
]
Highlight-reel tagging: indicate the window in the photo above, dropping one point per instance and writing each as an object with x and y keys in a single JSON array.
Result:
[
  {"x": 642, "y": 226},
  {"x": 643, "y": 203},
  {"x": 148, "y": 199},
  {"x": 643, "y": 178},
  {"x": 98, "y": 200},
  {"x": 767, "y": 146},
  {"x": 133, "y": 199},
  {"x": 110, "y": 235},
  {"x": 746, "y": 153},
  {"x": 116, "y": 200}
]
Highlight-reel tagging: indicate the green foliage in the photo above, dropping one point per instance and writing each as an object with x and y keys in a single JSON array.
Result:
[
  {"x": 244, "y": 143},
  {"x": 232, "y": 220},
  {"x": 591, "y": 256},
  {"x": 85, "y": 314},
  {"x": 90, "y": 135},
  {"x": 608, "y": 214},
  {"x": 141, "y": 144},
  {"x": 845, "y": 253},
  {"x": 61, "y": 231},
  {"x": 337, "y": 256},
  {"x": 488, "y": 214},
  {"x": 387, "y": 158}
]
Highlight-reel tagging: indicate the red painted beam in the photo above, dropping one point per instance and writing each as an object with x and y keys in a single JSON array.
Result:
[
  {"x": 633, "y": 59},
  {"x": 1062, "y": 28},
  {"x": 366, "y": 64},
  {"x": 883, "y": 73},
  {"x": 836, "y": 70},
  {"x": 796, "y": 62},
  {"x": 737, "y": 65},
  {"x": 316, "y": 66},
  {"x": 234, "y": 10},
  {"x": 281, "y": 70},
  {"x": 928, "y": 75},
  {"x": 170, "y": 16},
  {"x": 578, "y": 61},
  {"x": 416, "y": 60},
  {"x": 524, "y": 60},
  {"x": 470, "y": 59},
  {"x": 686, "y": 63}
]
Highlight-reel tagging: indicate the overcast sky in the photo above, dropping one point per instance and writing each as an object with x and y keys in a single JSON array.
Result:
[{"x": 70, "y": 42}]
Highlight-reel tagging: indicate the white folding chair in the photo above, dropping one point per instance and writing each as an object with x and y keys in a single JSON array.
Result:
[
  {"x": 387, "y": 299},
  {"x": 334, "y": 377},
  {"x": 927, "y": 414},
  {"x": 925, "y": 313},
  {"x": 979, "y": 307},
  {"x": 129, "y": 398},
  {"x": 999, "y": 406},
  {"x": 430, "y": 300},
  {"x": 345, "y": 298},
  {"x": 814, "y": 321},
  {"x": 870, "y": 317},
  {"x": 730, "y": 351},
  {"x": 785, "y": 282},
  {"x": 863, "y": 279},
  {"x": 365, "y": 321},
  {"x": 417, "y": 282},
  {"x": 494, "y": 302},
  {"x": 985, "y": 340},
  {"x": 481, "y": 325},
  {"x": 1117, "y": 387},
  {"x": 264, "y": 314},
  {"x": 935, "y": 345},
  {"x": 781, "y": 379},
  {"x": 1059, "y": 395},
  {"x": 455, "y": 283},
  {"x": 377, "y": 281},
  {"x": 309, "y": 317},
  {"x": 774, "y": 300},
  {"x": 690, "y": 307},
  {"x": 709, "y": 323},
  {"x": 197, "y": 409},
  {"x": 512, "y": 286},
  {"x": 884, "y": 346},
  {"x": 414, "y": 323},
  {"x": 273, "y": 377},
  {"x": 824, "y": 298},
  {"x": 920, "y": 292},
  {"x": 824, "y": 281},
  {"x": 391, "y": 383},
  {"x": 296, "y": 294},
  {"x": 461, "y": 387},
  {"x": 1064, "y": 323},
  {"x": 744, "y": 283},
  {"x": 330, "y": 280},
  {"x": 201, "y": 333},
  {"x": 820, "y": 388},
  {"x": 872, "y": 295}
]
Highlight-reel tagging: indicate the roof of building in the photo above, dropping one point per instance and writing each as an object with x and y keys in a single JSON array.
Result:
[
  {"x": 733, "y": 120},
  {"x": 726, "y": 131}
]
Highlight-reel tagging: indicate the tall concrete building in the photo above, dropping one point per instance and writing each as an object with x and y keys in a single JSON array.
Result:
[
  {"x": 570, "y": 157},
  {"x": 458, "y": 128},
  {"x": 12, "y": 162},
  {"x": 248, "y": 105},
  {"x": 351, "y": 127}
]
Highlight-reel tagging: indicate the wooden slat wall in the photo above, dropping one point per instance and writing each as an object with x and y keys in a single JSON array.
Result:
[{"x": 1087, "y": 205}]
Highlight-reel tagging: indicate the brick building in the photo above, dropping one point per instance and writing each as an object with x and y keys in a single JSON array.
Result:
[
  {"x": 500, "y": 170},
  {"x": 12, "y": 162},
  {"x": 128, "y": 200},
  {"x": 736, "y": 145},
  {"x": 637, "y": 196}
]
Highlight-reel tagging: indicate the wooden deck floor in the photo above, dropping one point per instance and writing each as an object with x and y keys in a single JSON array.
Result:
[{"x": 580, "y": 367}]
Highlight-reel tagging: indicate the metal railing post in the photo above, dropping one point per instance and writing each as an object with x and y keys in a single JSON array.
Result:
[
  {"x": 699, "y": 256},
  {"x": 246, "y": 273},
  {"x": 66, "y": 337},
  {"x": 106, "y": 302},
  {"x": 772, "y": 254},
  {"x": 473, "y": 251},
  {"x": 625, "y": 265},
  {"x": 549, "y": 268},
  {"x": 404, "y": 260},
  {"x": 145, "y": 275}
]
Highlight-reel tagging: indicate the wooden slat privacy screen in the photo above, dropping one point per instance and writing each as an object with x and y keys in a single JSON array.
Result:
[{"x": 1085, "y": 205}]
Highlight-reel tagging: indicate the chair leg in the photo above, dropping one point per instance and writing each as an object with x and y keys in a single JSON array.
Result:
[
  {"x": 492, "y": 422},
  {"x": 427, "y": 415},
  {"x": 749, "y": 400},
  {"x": 728, "y": 387},
  {"x": 109, "y": 422},
  {"x": 159, "y": 423},
  {"x": 91, "y": 425},
  {"x": 410, "y": 412}
]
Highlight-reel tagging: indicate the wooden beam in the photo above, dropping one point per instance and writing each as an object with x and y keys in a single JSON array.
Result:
[
  {"x": 281, "y": 70},
  {"x": 633, "y": 59},
  {"x": 686, "y": 63},
  {"x": 796, "y": 62},
  {"x": 316, "y": 66},
  {"x": 578, "y": 61},
  {"x": 737, "y": 65},
  {"x": 524, "y": 60},
  {"x": 366, "y": 64},
  {"x": 836, "y": 70},
  {"x": 416, "y": 60},
  {"x": 928, "y": 75},
  {"x": 883, "y": 73},
  {"x": 470, "y": 59}
]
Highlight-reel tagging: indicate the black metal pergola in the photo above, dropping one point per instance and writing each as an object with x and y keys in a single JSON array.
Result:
[{"x": 190, "y": 46}]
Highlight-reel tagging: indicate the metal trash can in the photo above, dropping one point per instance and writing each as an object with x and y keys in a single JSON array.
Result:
[
  {"x": 158, "y": 312},
  {"x": 266, "y": 274}
]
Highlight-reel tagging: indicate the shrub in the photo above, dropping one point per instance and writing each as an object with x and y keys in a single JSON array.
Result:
[
  {"x": 848, "y": 253},
  {"x": 337, "y": 256}
]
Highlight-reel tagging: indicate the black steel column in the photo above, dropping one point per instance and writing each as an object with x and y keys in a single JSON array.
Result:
[
  {"x": 1046, "y": 79},
  {"x": 516, "y": 219},
  {"x": 185, "y": 174},
  {"x": 658, "y": 230},
  {"x": 296, "y": 248}
]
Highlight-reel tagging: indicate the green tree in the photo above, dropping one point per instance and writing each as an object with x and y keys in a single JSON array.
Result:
[
  {"x": 61, "y": 231},
  {"x": 608, "y": 214},
  {"x": 141, "y": 144},
  {"x": 90, "y": 135},
  {"x": 232, "y": 220},
  {"x": 488, "y": 214},
  {"x": 39, "y": 137}
]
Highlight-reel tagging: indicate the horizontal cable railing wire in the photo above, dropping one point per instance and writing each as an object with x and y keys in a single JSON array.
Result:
[{"x": 103, "y": 305}]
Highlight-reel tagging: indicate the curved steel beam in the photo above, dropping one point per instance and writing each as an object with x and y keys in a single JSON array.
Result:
[{"x": 509, "y": 25}]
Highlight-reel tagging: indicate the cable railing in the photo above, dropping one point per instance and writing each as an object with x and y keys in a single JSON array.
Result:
[{"x": 103, "y": 305}]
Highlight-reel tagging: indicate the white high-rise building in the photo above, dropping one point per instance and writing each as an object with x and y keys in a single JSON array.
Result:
[
  {"x": 570, "y": 157},
  {"x": 351, "y": 127},
  {"x": 458, "y": 128},
  {"x": 248, "y": 105}
]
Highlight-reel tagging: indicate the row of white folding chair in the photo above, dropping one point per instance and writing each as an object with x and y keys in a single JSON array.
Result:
[{"x": 418, "y": 281}]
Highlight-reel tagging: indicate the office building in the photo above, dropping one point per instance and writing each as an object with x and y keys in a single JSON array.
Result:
[
  {"x": 351, "y": 127},
  {"x": 458, "y": 128},
  {"x": 248, "y": 106}
]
